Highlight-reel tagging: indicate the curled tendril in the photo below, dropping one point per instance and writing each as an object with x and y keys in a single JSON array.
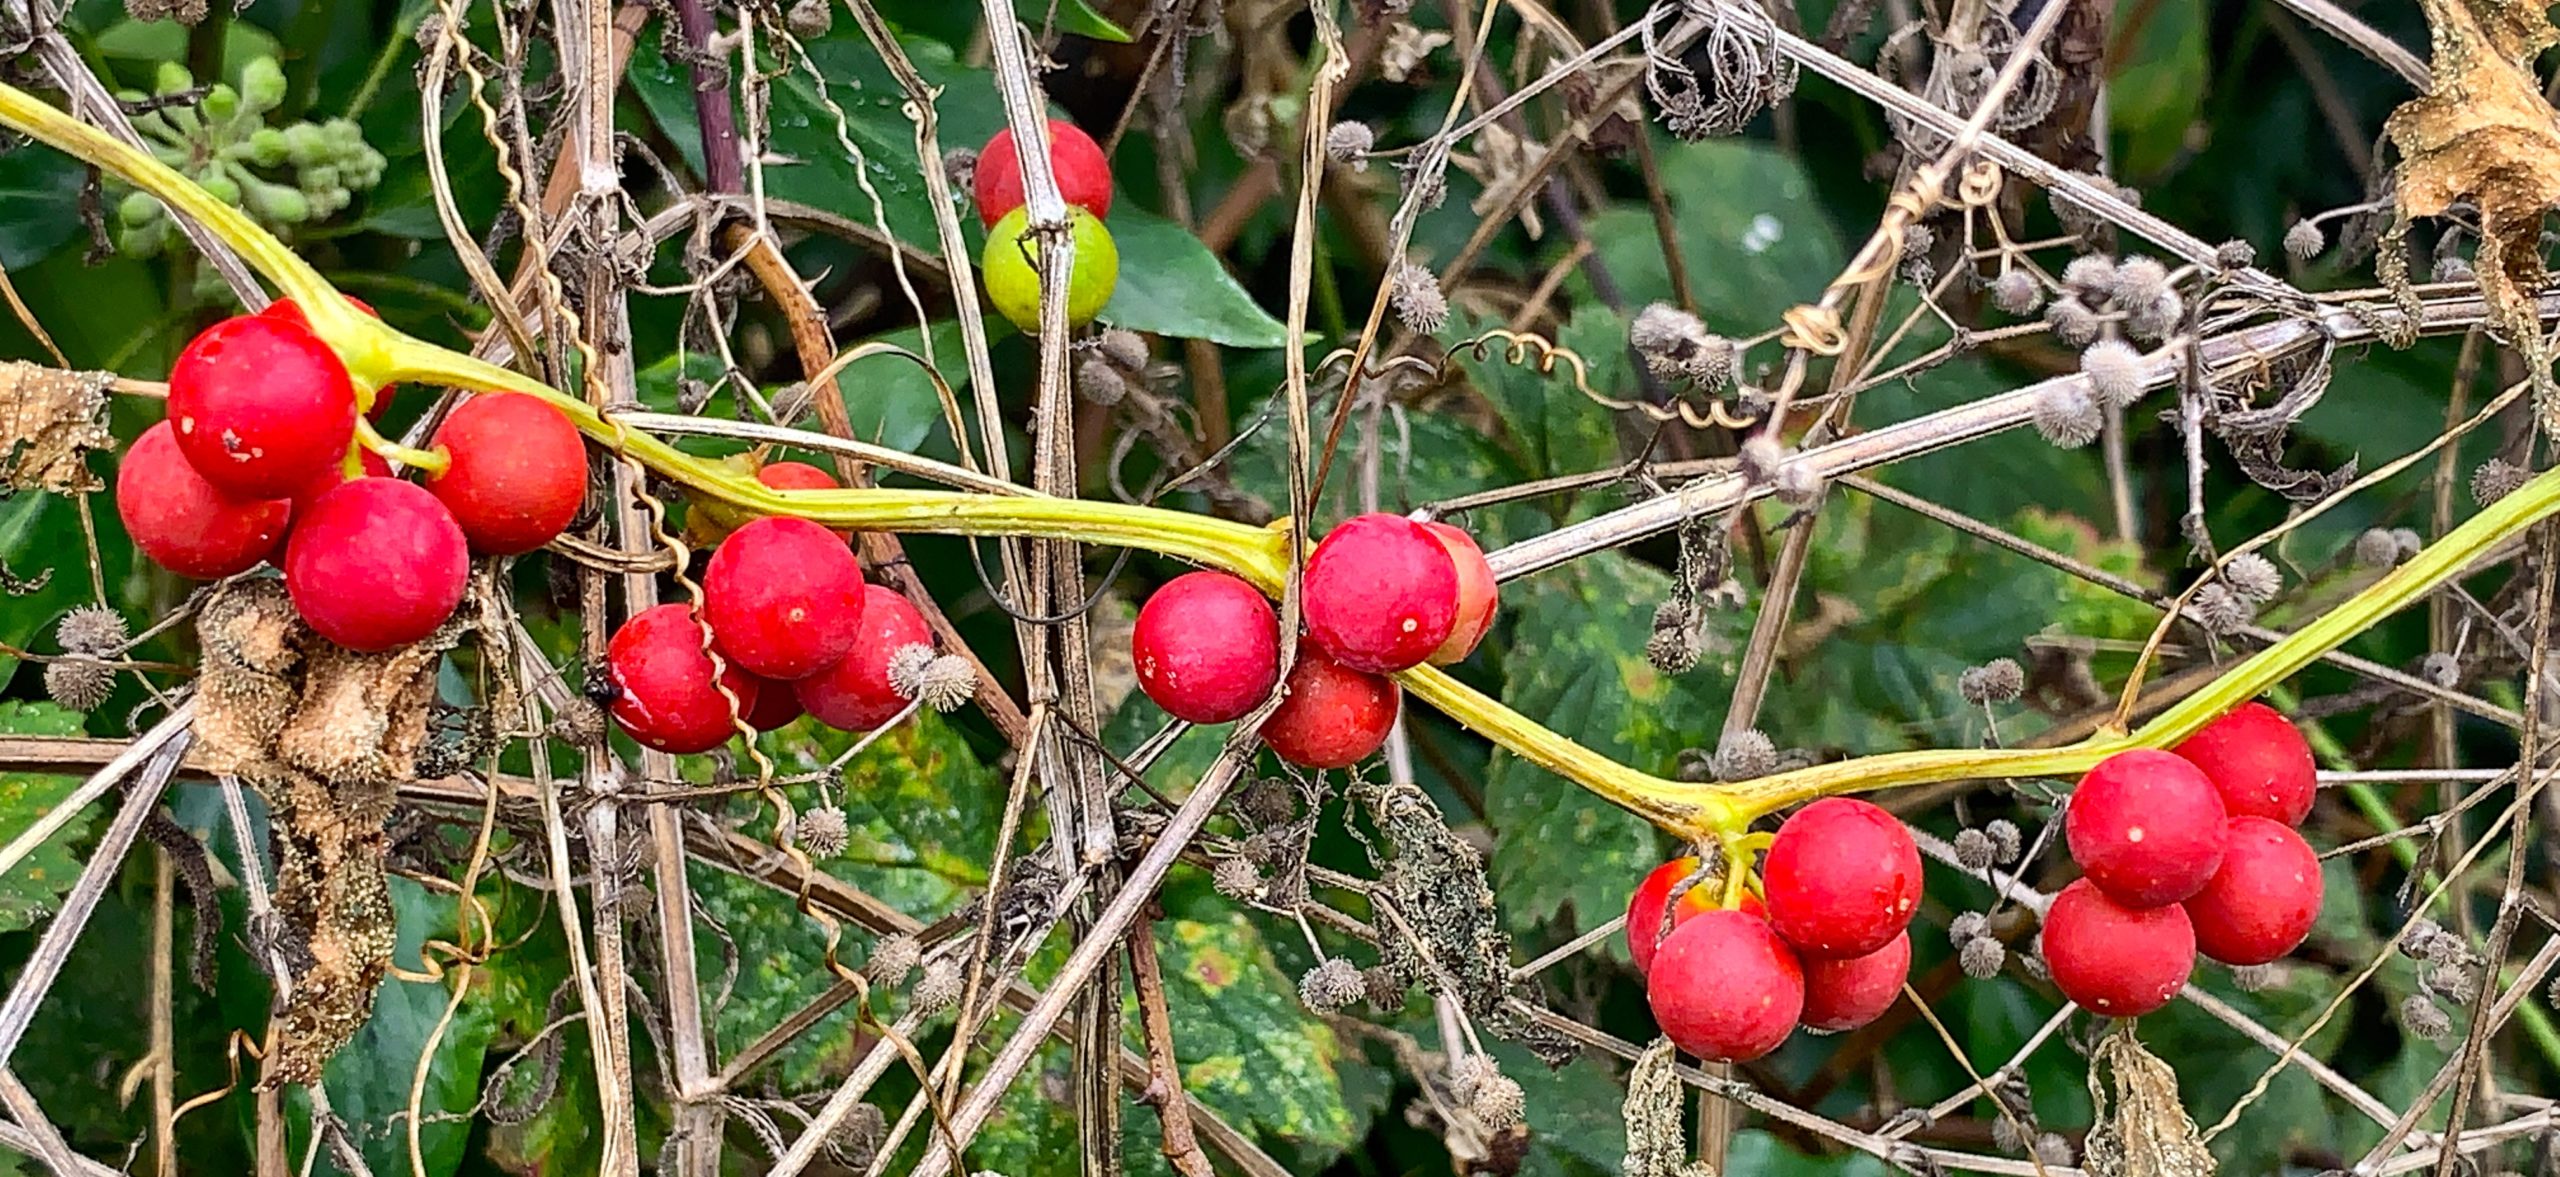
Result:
[
  {"x": 1815, "y": 328},
  {"x": 1958, "y": 78},
  {"x": 1747, "y": 71},
  {"x": 1542, "y": 356}
]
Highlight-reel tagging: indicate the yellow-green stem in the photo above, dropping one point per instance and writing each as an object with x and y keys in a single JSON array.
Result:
[{"x": 377, "y": 355}]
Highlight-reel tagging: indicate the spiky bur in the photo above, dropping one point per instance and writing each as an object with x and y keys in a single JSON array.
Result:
[
  {"x": 1098, "y": 383},
  {"x": 2067, "y": 416},
  {"x": 1760, "y": 457},
  {"x": 1981, "y": 957},
  {"x": 960, "y": 166},
  {"x": 2005, "y": 840},
  {"x": 822, "y": 832},
  {"x": 1966, "y": 926},
  {"x": 1385, "y": 988},
  {"x": 2252, "y": 576},
  {"x": 2452, "y": 980},
  {"x": 79, "y": 682},
  {"x": 1331, "y": 986},
  {"x": 1674, "y": 647},
  {"x": 810, "y": 19},
  {"x": 2423, "y": 1018},
  {"x": 93, "y": 630},
  {"x": 2221, "y": 611},
  {"x": 2235, "y": 254},
  {"x": 1676, "y": 344},
  {"x": 2073, "y": 323},
  {"x": 1798, "y": 484},
  {"x": 1492, "y": 1097},
  {"x": 2090, "y": 278},
  {"x": 1420, "y": 305},
  {"x": 2441, "y": 668},
  {"x": 938, "y": 988},
  {"x": 2305, "y": 240},
  {"x": 1349, "y": 142},
  {"x": 1997, "y": 681},
  {"x": 2376, "y": 548},
  {"x": 2016, "y": 292},
  {"x": 2496, "y": 479},
  {"x": 2114, "y": 370},
  {"x": 1974, "y": 850},
  {"x": 892, "y": 959},
  {"x": 1236, "y": 878},
  {"x": 1745, "y": 755}
]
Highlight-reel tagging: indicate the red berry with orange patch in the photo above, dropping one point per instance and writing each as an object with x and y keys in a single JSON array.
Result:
[{"x": 1381, "y": 593}]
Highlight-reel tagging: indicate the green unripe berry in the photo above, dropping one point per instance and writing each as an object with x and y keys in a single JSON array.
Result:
[
  {"x": 138, "y": 209},
  {"x": 262, "y": 84},
  {"x": 265, "y": 147},
  {"x": 222, "y": 103},
  {"x": 1013, "y": 277},
  {"x": 279, "y": 204},
  {"x": 171, "y": 79},
  {"x": 305, "y": 145},
  {"x": 220, "y": 186}
]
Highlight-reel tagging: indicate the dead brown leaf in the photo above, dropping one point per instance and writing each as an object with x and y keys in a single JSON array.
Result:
[
  {"x": 2142, "y": 1131},
  {"x": 2483, "y": 133},
  {"x": 49, "y": 419}
]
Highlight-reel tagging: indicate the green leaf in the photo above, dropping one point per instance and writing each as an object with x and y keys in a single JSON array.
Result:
[
  {"x": 1755, "y": 237},
  {"x": 41, "y": 189},
  {"x": 2159, "y": 86},
  {"x": 1555, "y": 428},
  {"x": 1170, "y": 284},
  {"x": 1249, "y": 1050},
  {"x": 29, "y": 890},
  {"x": 1577, "y": 662},
  {"x": 1072, "y": 16}
]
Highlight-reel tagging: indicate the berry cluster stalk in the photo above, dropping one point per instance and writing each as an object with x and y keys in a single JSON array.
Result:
[{"x": 376, "y": 354}]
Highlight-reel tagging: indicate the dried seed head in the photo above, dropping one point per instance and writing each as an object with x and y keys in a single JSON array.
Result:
[
  {"x": 2422, "y": 1018},
  {"x": 2495, "y": 479},
  {"x": 961, "y": 165},
  {"x": 577, "y": 723},
  {"x": 79, "y": 682},
  {"x": 2092, "y": 278},
  {"x": 1713, "y": 363},
  {"x": 1921, "y": 272},
  {"x": 2427, "y": 940},
  {"x": 2005, "y": 1134},
  {"x": 2221, "y": 611},
  {"x": 1237, "y": 879},
  {"x": 2073, "y": 323},
  {"x": 1966, "y": 926},
  {"x": 1973, "y": 850},
  {"x": 1981, "y": 957},
  {"x": 1100, "y": 383},
  {"x": 1385, "y": 988},
  {"x": 810, "y": 19},
  {"x": 939, "y": 988},
  {"x": 2053, "y": 1149},
  {"x": 2016, "y": 292},
  {"x": 1349, "y": 142},
  {"x": 892, "y": 959},
  {"x": 91, "y": 629},
  {"x": 822, "y": 832},
  {"x": 2156, "y": 319},
  {"x": 1745, "y": 755},
  {"x": 1419, "y": 303},
  {"x": 1125, "y": 348},
  {"x": 1268, "y": 801},
  {"x": 2252, "y": 576},
  {"x": 1331, "y": 986},
  {"x": 2005, "y": 843},
  {"x": 1917, "y": 241},
  {"x": 1760, "y": 457},
  {"x": 2452, "y": 979},
  {"x": 1996, "y": 681},
  {"x": 1497, "y": 1100},
  {"x": 906, "y": 669},
  {"x": 1799, "y": 484},
  {"x": 2139, "y": 280},
  {"x": 1667, "y": 337},
  {"x": 947, "y": 682},
  {"x": 2440, "y": 668},
  {"x": 1673, "y": 648},
  {"x": 2256, "y": 978},
  {"x": 2114, "y": 370},
  {"x": 2376, "y": 549},
  {"x": 2235, "y": 254},
  {"x": 2305, "y": 240},
  {"x": 2408, "y": 541},
  {"x": 2067, "y": 416}
]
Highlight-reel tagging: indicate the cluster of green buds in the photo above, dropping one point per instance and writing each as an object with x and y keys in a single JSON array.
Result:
[{"x": 281, "y": 176}]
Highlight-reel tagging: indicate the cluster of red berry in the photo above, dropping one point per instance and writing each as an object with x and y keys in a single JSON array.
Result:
[
  {"x": 260, "y": 451},
  {"x": 796, "y": 628},
  {"x": 1084, "y": 182},
  {"x": 2182, "y": 851},
  {"x": 1383, "y": 593},
  {"x": 1824, "y": 945}
]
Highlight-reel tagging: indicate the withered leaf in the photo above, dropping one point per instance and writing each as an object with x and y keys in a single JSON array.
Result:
[
  {"x": 2483, "y": 133},
  {"x": 49, "y": 419},
  {"x": 2142, "y": 1132}
]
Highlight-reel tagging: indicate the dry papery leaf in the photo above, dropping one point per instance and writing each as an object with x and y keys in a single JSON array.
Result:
[
  {"x": 49, "y": 419},
  {"x": 2142, "y": 1132},
  {"x": 2483, "y": 133}
]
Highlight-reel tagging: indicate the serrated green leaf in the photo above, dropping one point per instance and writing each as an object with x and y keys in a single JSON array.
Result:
[
  {"x": 29, "y": 891},
  {"x": 1578, "y": 663},
  {"x": 1249, "y": 1050}
]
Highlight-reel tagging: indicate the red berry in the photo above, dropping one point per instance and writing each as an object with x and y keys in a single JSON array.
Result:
[
  {"x": 183, "y": 522},
  {"x": 286, "y": 310},
  {"x": 1381, "y": 593},
  {"x": 2258, "y": 761},
  {"x": 776, "y": 704},
  {"x": 1724, "y": 987},
  {"x": 1842, "y": 878},
  {"x": 854, "y": 694},
  {"x": 376, "y": 563},
  {"x": 1334, "y": 716},
  {"x": 800, "y": 476},
  {"x": 1084, "y": 176},
  {"x": 260, "y": 405},
  {"x": 2116, "y": 960},
  {"x": 334, "y": 475},
  {"x": 785, "y": 597},
  {"x": 1846, "y": 994},
  {"x": 2146, "y": 826},
  {"x": 2263, "y": 901},
  {"x": 1477, "y": 594},
  {"x": 1644, "y": 908},
  {"x": 1207, "y": 647},
  {"x": 519, "y": 472},
  {"x": 663, "y": 694}
]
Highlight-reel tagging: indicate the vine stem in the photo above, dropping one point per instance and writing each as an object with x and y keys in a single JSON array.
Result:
[{"x": 377, "y": 354}]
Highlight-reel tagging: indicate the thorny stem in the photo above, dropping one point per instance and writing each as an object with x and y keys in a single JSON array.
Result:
[{"x": 377, "y": 354}]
